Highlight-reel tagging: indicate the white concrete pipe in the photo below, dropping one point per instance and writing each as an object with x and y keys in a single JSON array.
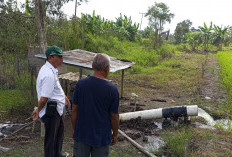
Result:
[{"x": 169, "y": 112}]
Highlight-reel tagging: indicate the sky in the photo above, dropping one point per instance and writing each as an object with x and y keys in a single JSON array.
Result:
[{"x": 197, "y": 11}]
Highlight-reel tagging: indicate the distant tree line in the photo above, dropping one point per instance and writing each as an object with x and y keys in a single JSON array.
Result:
[
  {"x": 51, "y": 26},
  {"x": 211, "y": 34}
]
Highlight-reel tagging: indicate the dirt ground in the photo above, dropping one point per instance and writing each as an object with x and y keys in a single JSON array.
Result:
[{"x": 150, "y": 96}]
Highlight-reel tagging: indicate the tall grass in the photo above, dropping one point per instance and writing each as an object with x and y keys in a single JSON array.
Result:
[
  {"x": 225, "y": 61},
  {"x": 175, "y": 141}
]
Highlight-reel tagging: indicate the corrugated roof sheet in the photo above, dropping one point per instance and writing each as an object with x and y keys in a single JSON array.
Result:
[{"x": 84, "y": 59}]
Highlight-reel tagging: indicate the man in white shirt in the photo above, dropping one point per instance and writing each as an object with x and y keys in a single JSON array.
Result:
[{"x": 51, "y": 102}]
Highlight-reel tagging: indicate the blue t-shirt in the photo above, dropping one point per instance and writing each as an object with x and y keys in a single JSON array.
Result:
[{"x": 96, "y": 99}]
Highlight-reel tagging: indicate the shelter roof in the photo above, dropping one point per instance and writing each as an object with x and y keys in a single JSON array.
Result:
[{"x": 84, "y": 59}]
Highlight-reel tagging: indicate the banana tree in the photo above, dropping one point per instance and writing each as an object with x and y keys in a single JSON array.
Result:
[
  {"x": 228, "y": 37},
  {"x": 220, "y": 34},
  {"x": 206, "y": 31},
  {"x": 126, "y": 28},
  {"x": 193, "y": 39}
]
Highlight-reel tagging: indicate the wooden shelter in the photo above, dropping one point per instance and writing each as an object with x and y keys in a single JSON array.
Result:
[{"x": 83, "y": 59}]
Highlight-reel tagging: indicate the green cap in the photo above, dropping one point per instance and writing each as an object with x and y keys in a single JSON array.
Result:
[{"x": 54, "y": 50}]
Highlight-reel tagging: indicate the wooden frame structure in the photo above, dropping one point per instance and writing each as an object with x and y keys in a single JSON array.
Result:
[{"x": 83, "y": 59}]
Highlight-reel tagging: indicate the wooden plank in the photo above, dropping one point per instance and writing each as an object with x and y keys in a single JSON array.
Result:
[{"x": 142, "y": 149}]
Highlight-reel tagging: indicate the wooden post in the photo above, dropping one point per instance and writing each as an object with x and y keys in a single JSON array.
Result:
[
  {"x": 32, "y": 88},
  {"x": 142, "y": 149},
  {"x": 185, "y": 147},
  {"x": 66, "y": 86},
  {"x": 80, "y": 73},
  {"x": 122, "y": 79},
  {"x": 42, "y": 130}
]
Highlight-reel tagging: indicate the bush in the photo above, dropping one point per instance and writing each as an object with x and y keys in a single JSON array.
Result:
[
  {"x": 166, "y": 51},
  {"x": 99, "y": 44},
  {"x": 136, "y": 69},
  {"x": 183, "y": 47}
]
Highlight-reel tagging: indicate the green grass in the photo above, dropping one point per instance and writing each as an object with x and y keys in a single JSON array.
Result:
[
  {"x": 225, "y": 61},
  {"x": 127, "y": 151},
  {"x": 175, "y": 141},
  {"x": 16, "y": 153},
  {"x": 13, "y": 99}
]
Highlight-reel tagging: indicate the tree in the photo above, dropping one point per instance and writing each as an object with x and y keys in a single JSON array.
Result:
[
  {"x": 158, "y": 15},
  {"x": 220, "y": 35},
  {"x": 41, "y": 8},
  {"x": 16, "y": 29},
  {"x": 193, "y": 39},
  {"x": 206, "y": 31},
  {"x": 126, "y": 28},
  {"x": 228, "y": 37},
  {"x": 77, "y": 3},
  {"x": 181, "y": 29}
]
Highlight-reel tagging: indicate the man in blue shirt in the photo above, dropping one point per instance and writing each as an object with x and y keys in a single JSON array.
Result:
[{"x": 95, "y": 115}]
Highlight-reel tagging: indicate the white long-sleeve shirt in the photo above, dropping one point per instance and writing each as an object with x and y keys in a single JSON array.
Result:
[{"x": 48, "y": 86}]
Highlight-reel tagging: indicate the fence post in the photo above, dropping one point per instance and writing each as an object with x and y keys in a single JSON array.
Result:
[{"x": 185, "y": 147}]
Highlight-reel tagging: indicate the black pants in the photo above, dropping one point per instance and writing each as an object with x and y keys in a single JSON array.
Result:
[{"x": 54, "y": 134}]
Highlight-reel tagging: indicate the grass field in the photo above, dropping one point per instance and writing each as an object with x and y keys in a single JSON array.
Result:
[{"x": 225, "y": 61}]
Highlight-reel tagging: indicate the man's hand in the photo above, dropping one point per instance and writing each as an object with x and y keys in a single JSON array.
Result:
[
  {"x": 67, "y": 102},
  {"x": 114, "y": 140},
  {"x": 35, "y": 114}
]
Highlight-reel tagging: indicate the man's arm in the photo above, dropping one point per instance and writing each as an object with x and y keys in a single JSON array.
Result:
[
  {"x": 41, "y": 104},
  {"x": 114, "y": 118},
  {"x": 74, "y": 117}
]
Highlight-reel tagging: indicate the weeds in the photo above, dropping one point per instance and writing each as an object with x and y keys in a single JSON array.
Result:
[{"x": 175, "y": 140}]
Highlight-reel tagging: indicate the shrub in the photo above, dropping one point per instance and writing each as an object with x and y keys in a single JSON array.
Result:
[{"x": 166, "y": 51}]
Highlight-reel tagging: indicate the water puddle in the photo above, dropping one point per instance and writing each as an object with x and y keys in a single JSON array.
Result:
[
  {"x": 154, "y": 143},
  {"x": 8, "y": 127},
  {"x": 224, "y": 123},
  {"x": 159, "y": 125}
]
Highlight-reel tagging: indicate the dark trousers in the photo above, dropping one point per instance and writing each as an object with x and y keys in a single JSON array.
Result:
[
  {"x": 54, "y": 134},
  {"x": 84, "y": 150}
]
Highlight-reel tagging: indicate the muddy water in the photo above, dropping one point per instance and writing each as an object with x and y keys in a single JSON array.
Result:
[
  {"x": 224, "y": 123},
  {"x": 154, "y": 143}
]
